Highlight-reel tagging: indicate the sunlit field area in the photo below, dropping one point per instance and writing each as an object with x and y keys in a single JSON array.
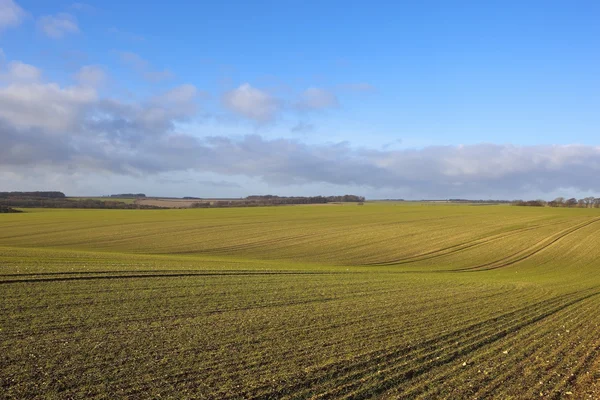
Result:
[{"x": 385, "y": 300}]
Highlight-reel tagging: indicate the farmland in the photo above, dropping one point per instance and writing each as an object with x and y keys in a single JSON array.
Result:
[
  {"x": 387, "y": 300},
  {"x": 127, "y": 200}
]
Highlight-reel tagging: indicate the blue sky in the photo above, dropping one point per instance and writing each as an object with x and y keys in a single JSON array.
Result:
[{"x": 384, "y": 99}]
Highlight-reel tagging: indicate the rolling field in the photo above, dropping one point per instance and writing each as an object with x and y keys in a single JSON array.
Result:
[{"x": 380, "y": 301}]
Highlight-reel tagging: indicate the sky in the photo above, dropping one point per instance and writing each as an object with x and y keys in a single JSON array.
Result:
[{"x": 408, "y": 99}]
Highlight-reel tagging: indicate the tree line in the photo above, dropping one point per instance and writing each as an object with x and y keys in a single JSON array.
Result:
[
  {"x": 6, "y": 209},
  {"x": 128, "y": 195},
  {"x": 347, "y": 198},
  {"x": 44, "y": 195},
  {"x": 271, "y": 200},
  {"x": 587, "y": 202},
  {"x": 59, "y": 200},
  {"x": 479, "y": 201}
]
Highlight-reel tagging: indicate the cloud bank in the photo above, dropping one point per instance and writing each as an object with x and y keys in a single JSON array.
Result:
[{"x": 73, "y": 129}]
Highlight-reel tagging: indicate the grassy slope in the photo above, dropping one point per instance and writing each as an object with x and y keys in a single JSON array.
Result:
[{"x": 384, "y": 300}]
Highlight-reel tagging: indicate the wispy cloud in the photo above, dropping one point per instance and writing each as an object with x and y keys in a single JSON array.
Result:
[
  {"x": 391, "y": 144},
  {"x": 124, "y": 35},
  {"x": 357, "y": 87},
  {"x": 58, "y": 26},
  {"x": 83, "y": 7},
  {"x": 11, "y": 14},
  {"x": 303, "y": 127},
  {"x": 218, "y": 184},
  {"x": 91, "y": 75},
  {"x": 317, "y": 99},
  {"x": 143, "y": 67}
]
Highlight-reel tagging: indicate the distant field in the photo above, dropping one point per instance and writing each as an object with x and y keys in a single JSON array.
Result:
[
  {"x": 119, "y": 199},
  {"x": 187, "y": 203},
  {"x": 170, "y": 203},
  {"x": 387, "y": 300}
]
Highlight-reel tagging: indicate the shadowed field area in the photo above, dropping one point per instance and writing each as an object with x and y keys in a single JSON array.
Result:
[{"x": 387, "y": 300}]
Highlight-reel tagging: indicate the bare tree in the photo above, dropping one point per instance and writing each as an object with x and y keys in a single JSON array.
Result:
[
  {"x": 589, "y": 202},
  {"x": 572, "y": 202},
  {"x": 558, "y": 202}
]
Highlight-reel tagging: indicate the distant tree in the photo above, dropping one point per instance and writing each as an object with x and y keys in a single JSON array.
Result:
[
  {"x": 572, "y": 202},
  {"x": 558, "y": 202},
  {"x": 6, "y": 209},
  {"x": 37, "y": 195},
  {"x": 128, "y": 195},
  {"x": 529, "y": 203}
]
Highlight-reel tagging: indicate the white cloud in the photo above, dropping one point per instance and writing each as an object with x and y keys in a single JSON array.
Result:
[
  {"x": 91, "y": 75},
  {"x": 180, "y": 94},
  {"x": 317, "y": 99},
  {"x": 28, "y": 103},
  {"x": 59, "y": 25},
  {"x": 11, "y": 14},
  {"x": 45, "y": 106},
  {"x": 252, "y": 103},
  {"x": 21, "y": 72},
  {"x": 58, "y": 128}
]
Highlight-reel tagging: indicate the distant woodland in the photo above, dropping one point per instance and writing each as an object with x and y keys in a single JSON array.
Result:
[
  {"x": 271, "y": 200},
  {"x": 9, "y": 200},
  {"x": 587, "y": 202},
  {"x": 6, "y": 209},
  {"x": 53, "y": 199},
  {"x": 59, "y": 200},
  {"x": 128, "y": 195}
]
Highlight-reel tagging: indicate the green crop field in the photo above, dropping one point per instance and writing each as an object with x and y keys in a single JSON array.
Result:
[{"x": 338, "y": 301}]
